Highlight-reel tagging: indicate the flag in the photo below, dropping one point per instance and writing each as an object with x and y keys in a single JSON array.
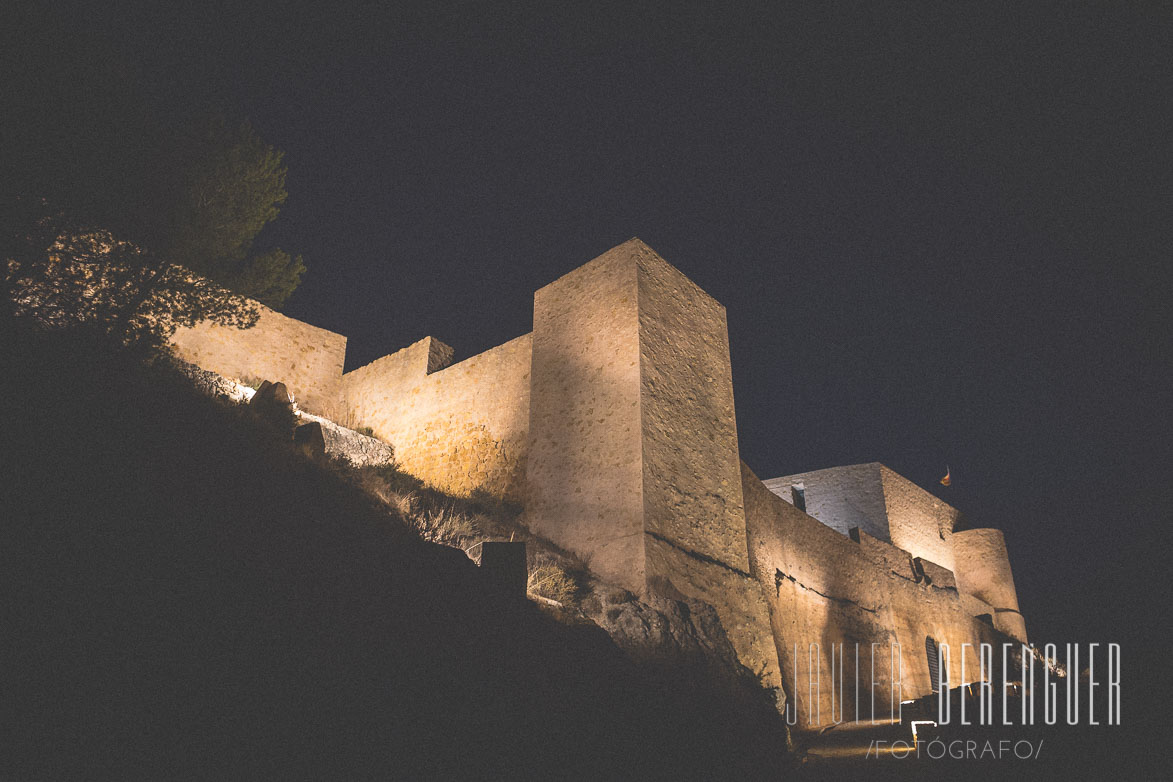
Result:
[{"x": 946, "y": 480}]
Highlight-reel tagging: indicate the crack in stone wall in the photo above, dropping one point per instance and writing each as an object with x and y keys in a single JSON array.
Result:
[
  {"x": 779, "y": 577},
  {"x": 696, "y": 554}
]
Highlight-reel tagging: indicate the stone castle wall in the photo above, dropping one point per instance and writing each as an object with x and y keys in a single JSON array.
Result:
[
  {"x": 585, "y": 474},
  {"x": 828, "y": 589},
  {"x": 307, "y": 359},
  {"x": 880, "y": 502},
  {"x": 694, "y": 517},
  {"x": 691, "y": 466},
  {"x": 984, "y": 571},
  {"x": 461, "y": 428},
  {"x": 633, "y": 457},
  {"x": 918, "y": 522},
  {"x": 841, "y": 497},
  {"x": 613, "y": 424}
]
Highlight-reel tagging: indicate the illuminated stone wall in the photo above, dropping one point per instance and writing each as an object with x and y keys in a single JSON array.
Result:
[
  {"x": 613, "y": 424},
  {"x": 691, "y": 467},
  {"x": 880, "y": 502},
  {"x": 983, "y": 570},
  {"x": 461, "y": 428},
  {"x": 633, "y": 458},
  {"x": 918, "y": 522},
  {"x": 307, "y": 359},
  {"x": 826, "y": 588},
  {"x": 841, "y": 497},
  {"x": 585, "y": 475},
  {"x": 694, "y": 519}
]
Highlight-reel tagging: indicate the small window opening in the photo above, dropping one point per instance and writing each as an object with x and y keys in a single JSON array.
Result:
[
  {"x": 798, "y": 497},
  {"x": 938, "y": 677}
]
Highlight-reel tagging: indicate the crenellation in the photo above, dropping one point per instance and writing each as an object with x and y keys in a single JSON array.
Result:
[
  {"x": 439, "y": 355},
  {"x": 460, "y": 427}
]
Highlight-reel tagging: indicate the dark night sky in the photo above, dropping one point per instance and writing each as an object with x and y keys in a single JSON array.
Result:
[{"x": 940, "y": 232}]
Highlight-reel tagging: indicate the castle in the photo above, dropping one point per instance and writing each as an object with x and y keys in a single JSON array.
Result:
[{"x": 612, "y": 423}]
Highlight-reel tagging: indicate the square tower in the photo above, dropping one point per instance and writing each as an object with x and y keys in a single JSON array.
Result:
[
  {"x": 633, "y": 460},
  {"x": 633, "y": 439}
]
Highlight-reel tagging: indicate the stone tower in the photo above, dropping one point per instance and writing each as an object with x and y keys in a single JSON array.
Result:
[{"x": 633, "y": 459}]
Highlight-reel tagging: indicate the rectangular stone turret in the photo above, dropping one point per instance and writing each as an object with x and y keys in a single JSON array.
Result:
[
  {"x": 633, "y": 459},
  {"x": 633, "y": 441}
]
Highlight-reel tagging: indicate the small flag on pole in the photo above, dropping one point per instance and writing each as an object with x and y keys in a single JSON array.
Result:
[{"x": 946, "y": 480}]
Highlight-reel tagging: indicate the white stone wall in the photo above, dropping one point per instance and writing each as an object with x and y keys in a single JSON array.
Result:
[
  {"x": 841, "y": 497},
  {"x": 880, "y": 502}
]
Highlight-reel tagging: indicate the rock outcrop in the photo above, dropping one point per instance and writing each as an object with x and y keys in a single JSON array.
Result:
[{"x": 309, "y": 439}]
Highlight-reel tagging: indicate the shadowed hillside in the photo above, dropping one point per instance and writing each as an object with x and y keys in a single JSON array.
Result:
[{"x": 185, "y": 596}]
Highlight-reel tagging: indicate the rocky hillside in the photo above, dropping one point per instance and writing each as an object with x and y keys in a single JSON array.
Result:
[{"x": 187, "y": 596}]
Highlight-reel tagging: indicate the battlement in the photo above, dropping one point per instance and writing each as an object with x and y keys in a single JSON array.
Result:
[{"x": 460, "y": 427}]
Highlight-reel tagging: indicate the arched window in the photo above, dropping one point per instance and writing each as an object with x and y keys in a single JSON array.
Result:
[{"x": 938, "y": 677}]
